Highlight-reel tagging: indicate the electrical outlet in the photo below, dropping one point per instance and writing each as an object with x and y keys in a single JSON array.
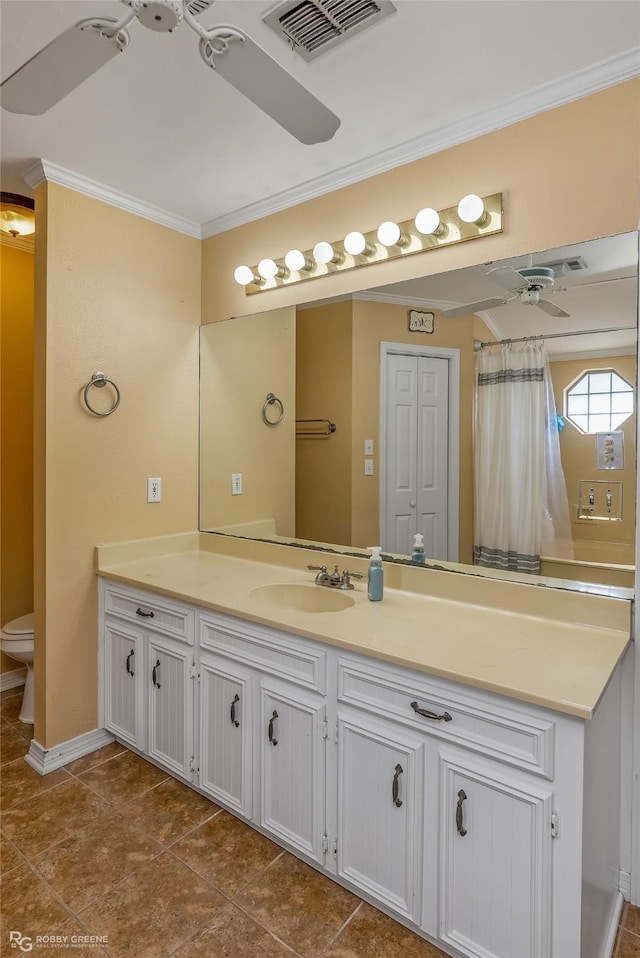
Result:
[
  {"x": 236, "y": 484},
  {"x": 154, "y": 490},
  {"x": 368, "y": 467}
]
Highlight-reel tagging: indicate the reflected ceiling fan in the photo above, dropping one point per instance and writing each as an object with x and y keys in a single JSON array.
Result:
[
  {"x": 80, "y": 51},
  {"x": 526, "y": 284}
]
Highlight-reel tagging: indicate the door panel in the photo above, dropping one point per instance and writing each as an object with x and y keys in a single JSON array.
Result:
[
  {"x": 124, "y": 685},
  {"x": 170, "y": 705}
]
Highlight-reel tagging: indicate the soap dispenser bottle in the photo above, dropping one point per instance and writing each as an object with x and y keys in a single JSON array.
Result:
[
  {"x": 418, "y": 549},
  {"x": 375, "y": 575}
]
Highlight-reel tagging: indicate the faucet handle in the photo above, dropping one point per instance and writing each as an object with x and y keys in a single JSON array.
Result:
[
  {"x": 353, "y": 575},
  {"x": 317, "y": 568},
  {"x": 345, "y": 581}
]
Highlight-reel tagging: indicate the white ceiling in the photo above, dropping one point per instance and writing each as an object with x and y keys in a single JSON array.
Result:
[{"x": 157, "y": 125}]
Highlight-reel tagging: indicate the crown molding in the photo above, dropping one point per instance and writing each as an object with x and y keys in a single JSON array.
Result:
[
  {"x": 546, "y": 96},
  {"x": 372, "y": 295},
  {"x": 25, "y": 243},
  {"x": 491, "y": 324},
  {"x": 43, "y": 171}
]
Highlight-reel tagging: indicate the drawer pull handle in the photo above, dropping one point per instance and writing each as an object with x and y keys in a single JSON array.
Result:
[
  {"x": 462, "y": 831},
  {"x": 154, "y": 674},
  {"x": 145, "y": 615},
  {"x": 234, "y": 720},
  {"x": 274, "y": 741},
  {"x": 445, "y": 717},
  {"x": 394, "y": 788},
  {"x": 129, "y": 657}
]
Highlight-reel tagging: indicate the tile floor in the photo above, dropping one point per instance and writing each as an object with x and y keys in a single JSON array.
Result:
[{"x": 112, "y": 846}]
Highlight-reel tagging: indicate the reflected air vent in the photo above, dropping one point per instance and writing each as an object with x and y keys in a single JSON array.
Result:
[
  {"x": 562, "y": 267},
  {"x": 313, "y": 27}
]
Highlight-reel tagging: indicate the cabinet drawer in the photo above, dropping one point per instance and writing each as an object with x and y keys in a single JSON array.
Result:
[
  {"x": 475, "y": 720},
  {"x": 294, "y": 659},
  {"x": 152, "y": 611}
]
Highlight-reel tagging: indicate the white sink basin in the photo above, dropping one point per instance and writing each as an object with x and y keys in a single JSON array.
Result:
[{"x": 302, "y": 598}]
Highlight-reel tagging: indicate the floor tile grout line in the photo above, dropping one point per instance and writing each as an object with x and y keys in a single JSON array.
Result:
[
  {"x": 344, "y": 925},
  {"x": 257, "y": 921}
]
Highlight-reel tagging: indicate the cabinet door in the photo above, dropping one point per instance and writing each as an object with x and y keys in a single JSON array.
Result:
[
  {"x": 226, "y": 693},
  {"x": 124, "y": 685},
  {"x": 495, "y": 861},
  {"x": 380, "y": 810},
  {"x": 169, "y": 667},
  {"x": 292, "y": 759}
]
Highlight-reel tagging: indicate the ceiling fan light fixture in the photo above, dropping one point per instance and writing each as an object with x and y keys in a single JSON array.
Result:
[
  {"x": 163, "y": 16},
  {"x": 428, "y": 222},
  {"x": 390, "y": 234},
  {"x": 471, "y": 209},
  {"x": 17, "y": 216}
]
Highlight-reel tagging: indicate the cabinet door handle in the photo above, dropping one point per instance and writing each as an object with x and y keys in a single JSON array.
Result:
[
  {"x": 394, "y": 788},
  {"x": 154, "y": 674},
  {"x": 145, "y": 615},
  {"x": 462, "y": 795},
  {"x": 445, "y": 717},
  {"x": 234, "y": 720},
  {"x": 129, "y": 657},
  {"x": 274, "y": 741}
]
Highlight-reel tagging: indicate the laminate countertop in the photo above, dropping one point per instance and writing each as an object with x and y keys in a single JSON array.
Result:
[{"x": 549, "y": 647}]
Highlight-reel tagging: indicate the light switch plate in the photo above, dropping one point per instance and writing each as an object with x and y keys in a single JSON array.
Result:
[
  {"x": 236, "y": 483},
  {"x": 368, "y": 467},
  {"x": 154, "y": 490},
  {"x": 368, "y": 447}
]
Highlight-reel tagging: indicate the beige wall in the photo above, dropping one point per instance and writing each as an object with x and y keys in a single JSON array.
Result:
[
  {"x": 579, "y": 453},
  {"x": 567, "y": 175},
  {"x": 323, "y": 391},
  {"x": 242, "y": 361},
  {"x": 119, "y": 294},
  {"x": 16, "y": 431}
]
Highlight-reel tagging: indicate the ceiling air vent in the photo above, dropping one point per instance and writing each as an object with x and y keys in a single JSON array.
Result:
[
  {"x": 562, "y": 267},
  {"x": 198, "y": 6},
  {"x": 313, "y": 27}
]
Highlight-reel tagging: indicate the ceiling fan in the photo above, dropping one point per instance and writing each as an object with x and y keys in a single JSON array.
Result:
[
  {"x": 526, "y": 284},
  {"x": 75, "y": 55}
]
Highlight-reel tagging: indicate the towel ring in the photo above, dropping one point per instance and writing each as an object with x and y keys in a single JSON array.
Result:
[
  {"x": 99, "y": 380},
  {"x": 270, "y": 401}
]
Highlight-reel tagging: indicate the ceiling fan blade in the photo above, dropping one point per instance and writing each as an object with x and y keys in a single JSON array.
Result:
[
  {"x": 552, "y": 309},
  {"x": 472, "y": 307},
  {"x": 508, "y": 277},
  {"x": 256, "y": 75},
  {"x": 60, "y": 67}
]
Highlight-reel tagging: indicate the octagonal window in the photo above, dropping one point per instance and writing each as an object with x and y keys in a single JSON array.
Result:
[{"x": 599, "y": 400}]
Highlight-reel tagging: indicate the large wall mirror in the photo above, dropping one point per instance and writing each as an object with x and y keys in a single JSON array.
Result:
[{"x": 342, "y": 465}]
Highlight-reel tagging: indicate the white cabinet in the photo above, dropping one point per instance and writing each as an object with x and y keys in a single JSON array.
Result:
[
  {"x": 493, "y": 845},
  {"x": 292, "y": 766},
  {"x": 436, "y": 801},
  {"x": 227, "y": 694},
  {"x": 380, "y": 809},
  {"x": 171, "y": 669},
  {"x": 123, "y": 682}
]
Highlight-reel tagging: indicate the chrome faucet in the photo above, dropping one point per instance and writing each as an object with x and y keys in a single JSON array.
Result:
[{"x": 334, "y": 580}]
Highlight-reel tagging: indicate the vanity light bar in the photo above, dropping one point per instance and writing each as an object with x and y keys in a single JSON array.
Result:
[{"x": 474, "y": 216}]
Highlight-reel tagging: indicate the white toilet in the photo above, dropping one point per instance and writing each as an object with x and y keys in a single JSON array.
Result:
[{"x": 16, "y": 640}]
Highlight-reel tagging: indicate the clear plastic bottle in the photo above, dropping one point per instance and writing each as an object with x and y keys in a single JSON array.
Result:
[
  {"x": 375, "y": 575},
  {"x": 418, "y": 549}
]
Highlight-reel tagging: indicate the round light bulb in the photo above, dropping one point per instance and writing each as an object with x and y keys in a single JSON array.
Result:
[
  {"x": 244, "y": 275},
  {"x": 390, "y": 234},
  {"x": 269, "y": 269},
  {"x": 295, "y": 260},
  {"x": 324, "y": 253},
  {"x": 428, "y": 222},
  {"x": 471, "y": 209},
  {"x": 355, "y": 243}
]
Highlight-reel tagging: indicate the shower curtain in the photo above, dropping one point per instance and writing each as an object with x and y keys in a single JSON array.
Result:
[{"x": 520, "y": 494}]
